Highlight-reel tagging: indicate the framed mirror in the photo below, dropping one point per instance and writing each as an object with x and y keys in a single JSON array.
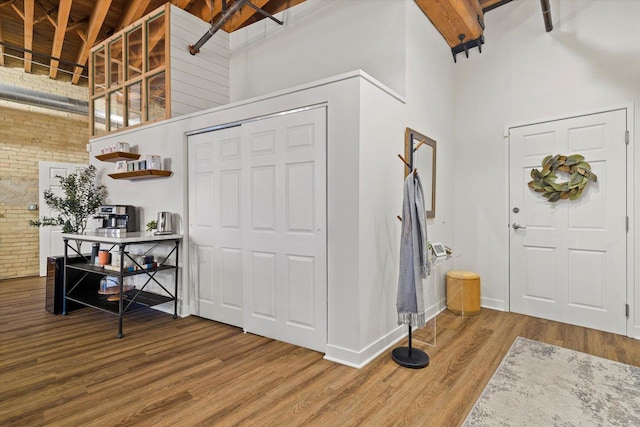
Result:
[{"x": 420, "y": 153}]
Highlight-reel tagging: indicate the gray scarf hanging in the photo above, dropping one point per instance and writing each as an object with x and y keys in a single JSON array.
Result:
[{"x": 414, "y": 259}]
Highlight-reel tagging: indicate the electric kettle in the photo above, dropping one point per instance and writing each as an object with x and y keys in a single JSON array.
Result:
[{"x": 164, "y": 223}]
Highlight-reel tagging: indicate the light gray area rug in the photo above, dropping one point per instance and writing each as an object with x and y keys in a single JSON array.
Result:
[{"x": 539, "y": 384}]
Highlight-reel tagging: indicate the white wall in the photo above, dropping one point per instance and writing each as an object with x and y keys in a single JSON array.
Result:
[
  {"x": 589, "y": 62},
  {"x": 320, "y": 38},
  {"x": 197, "y": 81},
  {"x": 430, "y": 111}
]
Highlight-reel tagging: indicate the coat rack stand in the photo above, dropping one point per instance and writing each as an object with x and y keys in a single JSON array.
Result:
[{"x": 410, "y": 357}]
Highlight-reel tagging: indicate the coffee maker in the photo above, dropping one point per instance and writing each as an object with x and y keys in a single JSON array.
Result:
[{"x": 116, "y": 219}]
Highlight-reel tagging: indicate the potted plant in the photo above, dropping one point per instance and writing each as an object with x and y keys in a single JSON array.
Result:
[
  {"x": 152, "y": 225},
  {"x": 82, "y": 196}
]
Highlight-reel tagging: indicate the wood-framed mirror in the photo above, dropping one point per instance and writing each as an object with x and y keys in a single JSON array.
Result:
[{"x": 420, "y": 153}]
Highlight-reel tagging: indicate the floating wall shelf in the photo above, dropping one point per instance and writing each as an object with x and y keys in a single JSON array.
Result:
[
  {"x": 145, "y": 173},
  {"x": 117, "y": 156}
]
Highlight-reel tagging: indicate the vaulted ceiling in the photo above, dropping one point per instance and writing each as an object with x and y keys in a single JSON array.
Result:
[{"x": 55, "y": 36}]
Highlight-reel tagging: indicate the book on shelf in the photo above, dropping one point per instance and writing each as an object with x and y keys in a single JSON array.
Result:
[{"x": 130, "y": 268}]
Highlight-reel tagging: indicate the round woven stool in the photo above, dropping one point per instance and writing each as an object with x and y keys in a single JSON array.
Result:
[{"x": 463, "y": 292}]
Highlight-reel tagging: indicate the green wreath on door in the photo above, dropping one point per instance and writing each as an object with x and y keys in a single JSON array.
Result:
[{"x": 579, "y": 171}]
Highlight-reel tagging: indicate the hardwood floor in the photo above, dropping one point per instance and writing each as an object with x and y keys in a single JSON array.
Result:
[{"x": 72, "y": 371}]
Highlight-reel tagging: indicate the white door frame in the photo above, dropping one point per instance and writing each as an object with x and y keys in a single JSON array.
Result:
[
  {"x": 633, "y": 290},
  {"x": 45, "y": 234}
]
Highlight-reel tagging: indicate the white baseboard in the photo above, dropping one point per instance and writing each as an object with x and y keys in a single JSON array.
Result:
[
  {"x": 494, "y": 304},
  {"x": 359, "y": 359},
  {"x": 635, "y": 333}
]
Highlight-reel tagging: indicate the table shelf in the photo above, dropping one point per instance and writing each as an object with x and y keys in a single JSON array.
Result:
[
  {"x": 133, "y": 299},
  {"x": 91, "y": 298},
  {"x": 107, "y": 272}
]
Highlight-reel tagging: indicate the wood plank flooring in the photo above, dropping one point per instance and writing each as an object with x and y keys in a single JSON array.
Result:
[{"x": 72, "y": 371}]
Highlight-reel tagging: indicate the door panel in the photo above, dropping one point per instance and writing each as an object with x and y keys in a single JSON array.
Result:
[
  {"x": 285, "y": 294},
  {"x": 300, "y": 286},
  {"x": 569, "y": 263},
  {"x": 214, "y": 205}
]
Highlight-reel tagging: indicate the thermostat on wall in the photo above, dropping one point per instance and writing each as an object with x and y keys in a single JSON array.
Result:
[{"x": 438, "y": 249}]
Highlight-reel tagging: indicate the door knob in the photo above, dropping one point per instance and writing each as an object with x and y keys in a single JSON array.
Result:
[{"x": 517, "y": 226}]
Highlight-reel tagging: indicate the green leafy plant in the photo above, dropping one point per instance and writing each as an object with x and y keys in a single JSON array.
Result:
[
  {"x": 152, "y": 225},
  {"x": 82, "y": 196},
  {"x": 544, "y": 181}
]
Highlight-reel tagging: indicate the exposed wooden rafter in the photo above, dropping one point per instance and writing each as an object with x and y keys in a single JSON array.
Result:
[
  {"x": 455, "y": 18},
  {"x": 134, "y": 11},
  {"x": 182, "y": 4},
  {"x": 95, "y": 23},
  {"x": 59, "y": 34},
  {"x": 64, "y": 9},
  {"x": 202, "y": 10},
  {"x": 272, "y": 7},
  {"x": 28, "y": 33},
  {"x": 241, "y": 17}
]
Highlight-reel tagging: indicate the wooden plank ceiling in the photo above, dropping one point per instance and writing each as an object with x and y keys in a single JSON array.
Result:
[
  {"x": 55, "y": 36},
  {"x": 60, "y": 33}
]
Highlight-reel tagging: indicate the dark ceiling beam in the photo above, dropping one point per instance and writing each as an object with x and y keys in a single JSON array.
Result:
[{"x": 488, "y": 5}]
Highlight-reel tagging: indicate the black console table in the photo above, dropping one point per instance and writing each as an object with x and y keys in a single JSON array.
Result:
[{"x": 129, "y": 300}]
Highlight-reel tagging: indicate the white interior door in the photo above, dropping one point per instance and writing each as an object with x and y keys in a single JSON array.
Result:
[
  {"x": 215, "y": 203},
  {"x": 569, "y": 263},
  {"x": 51, "y": 243},
  {"x": 285, "y": 283},
  {"x": 257, "y": 207}
]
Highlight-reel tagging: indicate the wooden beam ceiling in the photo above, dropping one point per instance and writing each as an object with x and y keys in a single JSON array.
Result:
[
  {"x": 455, "y": 18},
  {"x": 182, "y": 4},
  {"x": 95, "y": 23},
  {"x": 58, "y": 39},
  {"x": 202, "y": 10},
  {"x": 239, "y": 18},
  {"x": 29, "y": 6},
  {"x": 134, "y": 11},
  {"x": 64, "y": 31},
  {"x": 56, "y": 36}
]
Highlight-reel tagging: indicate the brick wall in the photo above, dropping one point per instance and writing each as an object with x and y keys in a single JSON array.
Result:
[{"x": 28, "y": 135}]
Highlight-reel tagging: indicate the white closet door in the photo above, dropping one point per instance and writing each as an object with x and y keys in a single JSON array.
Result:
[
  {"x": 215, "y": 200},
  {"x": 284, "y": 239}
]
